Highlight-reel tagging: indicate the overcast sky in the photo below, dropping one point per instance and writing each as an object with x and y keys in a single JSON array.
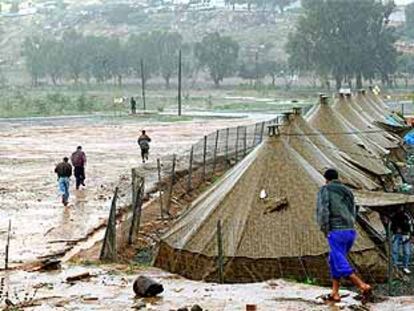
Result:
[{"x": 402, "y": 2}]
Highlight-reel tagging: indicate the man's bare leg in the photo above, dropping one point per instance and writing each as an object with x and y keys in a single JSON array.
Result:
[
  {"x": 362, "y": 286},
  {"x": 335, "y": 290}
]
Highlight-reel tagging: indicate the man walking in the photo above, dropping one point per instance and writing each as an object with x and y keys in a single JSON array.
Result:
[
  {"x": 78, "y": 160},
  {"x": 64, "y": 171},
  {"x": 401, "y": 228},
  {"x": 143, "y": 142},
  {"x": 336, "y": 214}
]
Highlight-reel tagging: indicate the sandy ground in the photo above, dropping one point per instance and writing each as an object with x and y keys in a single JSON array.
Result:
[
  {"x": 110, "y": 289},
  {"x": 29, "y": 151}
]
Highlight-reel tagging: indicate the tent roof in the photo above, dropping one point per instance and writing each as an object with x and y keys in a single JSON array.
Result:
[
  {"x": 282, "y": 225},
  {"x": 382, "y": 199},
  {"x": 313, "y": 146},
  {"x": 368, "y": 130},
  {"x": 338, "y": 131}
]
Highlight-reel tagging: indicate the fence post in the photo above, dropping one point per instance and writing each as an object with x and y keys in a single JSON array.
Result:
[
  {"x": 136, "y": 208},
  {"x": 170, "y": 191},
  {"x": 215, "y": 151},
  {"x": 390, "y": 263},
  {"x": 227, "y": 146},
  {"x": 160, "y": 189},
  {"x": 245, "y": 142},
  {"x": 262, "y": 132},
  {"x": 204, "y": 158},
  {"x": 255, "y": 135},
  {"x": 237, "y": 143},
  {"x": 190, "y": 171},
  {"x": 6, "y": 260},
  {"x": 108, "y": 251},
  {"x": 220, "y": 260}
]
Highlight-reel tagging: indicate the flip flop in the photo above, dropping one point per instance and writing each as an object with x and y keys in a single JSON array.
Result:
[{"x": 329, "y": 299}]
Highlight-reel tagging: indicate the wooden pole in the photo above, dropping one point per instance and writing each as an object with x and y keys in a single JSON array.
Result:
[
  {"x": 143, "y": 85},
  {"x": 215, "y": 151},
  {"x": 245, "y": 142},
  {"x": 220, "y": 259},
  {"x": 170, "y": 192},
  {"x": 137, "y": 209},
  {"x": 108, "y": 251},
  {"x": 6, "y": 261},
  {"x": 179, "y": 83},
  {"x": 204, "y": 158},
  {"x": 227, "y": 145},
  {"x": 390, "y": 263},
  {"x": 160, "y": 189},
  {"x": 237, "y": 143},
  {"x": 190, "y": 171},
  {"x": 262, "y": 132}
]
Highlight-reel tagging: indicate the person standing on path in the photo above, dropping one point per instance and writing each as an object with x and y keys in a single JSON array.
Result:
[
  {"x": 64, "y": 171},
  {"x": 336, "y": 215},
  {"x": 133, "y": 105},
  {"x": 401, "y": 228},
  {"x": 78, "y": 160},
  {"x": 143, "y": 143}
]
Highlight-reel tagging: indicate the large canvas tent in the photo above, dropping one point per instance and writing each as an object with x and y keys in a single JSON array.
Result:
[
  {"x": 360, "y": 151},
  {"x": 319, "y": 152},
  {"x": 363, "y": 127},
  {"x": 262, "y": 238}
]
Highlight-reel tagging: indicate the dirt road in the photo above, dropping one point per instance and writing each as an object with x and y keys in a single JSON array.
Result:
[{"x": 29, "y": 151}]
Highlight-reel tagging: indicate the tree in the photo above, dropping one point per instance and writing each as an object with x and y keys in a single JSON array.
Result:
[
  {"x": 75, "y": 56},
  {"x": 142, "y": 47},
  {"x": 346, "y": 40},
  {"x": 53, "y": 59},
  {"x": 409, "y": 16},
  {"x": 219, "y": 54},
  {"x": 168, "y": 45},
  {"x": 33, "y": 53}
]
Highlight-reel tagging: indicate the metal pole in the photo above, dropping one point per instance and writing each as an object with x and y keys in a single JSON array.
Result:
[
  {"x": 143, "y": 85},
  {"x": 160, "y": 188},
  {"x": 179, "y": 83},
  {"x": 220, "y": 260},
  {"x": 190, "y": 171}
]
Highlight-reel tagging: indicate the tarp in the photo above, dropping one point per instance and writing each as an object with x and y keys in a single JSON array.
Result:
[{"x": 409, "y": 138}]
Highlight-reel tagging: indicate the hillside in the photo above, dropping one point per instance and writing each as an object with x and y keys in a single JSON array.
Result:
[{"x": 265, "y": 32}]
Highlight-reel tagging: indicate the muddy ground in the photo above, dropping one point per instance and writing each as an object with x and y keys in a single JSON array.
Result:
[
  {"x": 110, "y": 288},
  {"x": 29, "y": 151}
]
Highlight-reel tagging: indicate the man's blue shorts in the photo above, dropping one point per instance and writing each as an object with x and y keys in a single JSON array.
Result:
[{"x": 340, "y": 243}]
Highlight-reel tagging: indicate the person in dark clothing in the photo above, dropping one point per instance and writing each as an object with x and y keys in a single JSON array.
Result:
[
  {"x": 143, "y": 142},
  {"x": 78, "y": 160},
  {"x": 64, "y": 172},
  {"x": 336, "y": 214},
  {"x": 401, "y": 228},
  {"x": 133, "y": 105}
]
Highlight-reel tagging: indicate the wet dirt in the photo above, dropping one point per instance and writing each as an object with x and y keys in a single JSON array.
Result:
[
  {"x": 29, "y": 151},
  {"x": 110, "y": 289}
]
